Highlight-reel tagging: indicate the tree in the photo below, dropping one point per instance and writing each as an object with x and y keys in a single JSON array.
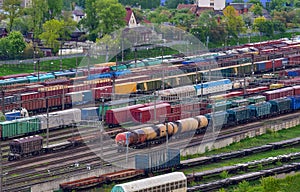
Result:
[
  {"x": 234, "y": 23},
  {"x": 160, "y": 15},
  {"x": 14, "y": 9},
  {"x": 172, "y": 4},
  {"x": 256, "y": 9},
  {"x": 111, "y": 15},
  {"x": 264, "y": 26},
  {"x": 54, "y": 8},
  {"x": 37, "y": 16},
  {"x": 52, "y": 30},
  {"x": 17, "y": 44},
  {"x": 91, "y": 21},
  {"x": 255, "y": 2}
]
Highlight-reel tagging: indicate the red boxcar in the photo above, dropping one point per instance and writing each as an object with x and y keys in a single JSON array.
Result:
[
  {"x": 285, "y": 92},
  {"x": 34, "y": 105},
  {"x": 120, "y": 115},
  {"x": 102, "y": 92},
  {"x": 147, "y": 114},
  {"x": 296, "y": 90}
]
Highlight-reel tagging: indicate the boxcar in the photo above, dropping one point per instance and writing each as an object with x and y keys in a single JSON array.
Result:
[
  {"x": 175, "y": 181},
  {"x": 60, "y": 118},
  {"x": 151, "y": 113},
  {"x": 120, "y": 115}
]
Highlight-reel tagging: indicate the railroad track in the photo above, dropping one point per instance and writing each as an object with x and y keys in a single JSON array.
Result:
[{"x": 92, "y": 161}]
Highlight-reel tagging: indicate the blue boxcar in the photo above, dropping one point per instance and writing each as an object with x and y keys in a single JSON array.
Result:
[
  {"x": 295, "y": 102},
  {"x": 90, "y": 113},
  {"x": 9, "y": 116},
  {"x": 260, "y": 66}
]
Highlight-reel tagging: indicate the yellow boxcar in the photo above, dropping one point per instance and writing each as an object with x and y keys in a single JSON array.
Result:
[
  {"x": 276, "y": 86},
  {"x": 125, "y": 88}
]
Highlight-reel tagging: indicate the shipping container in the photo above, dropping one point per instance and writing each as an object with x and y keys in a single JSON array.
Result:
[
  {"x": 90, "y": 114},
  {"x": 126, "y": 88}
]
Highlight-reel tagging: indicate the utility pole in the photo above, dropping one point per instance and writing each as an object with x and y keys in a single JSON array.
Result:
[
  {"x": 47, "y": 107},
  {"x": 1, "y": 169}
]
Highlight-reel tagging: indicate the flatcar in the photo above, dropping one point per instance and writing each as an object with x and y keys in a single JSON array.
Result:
[{"x": 172, "y": 182}]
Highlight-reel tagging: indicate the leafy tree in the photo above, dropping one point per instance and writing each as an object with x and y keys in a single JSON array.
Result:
[
  {"x": 234, "y": 22},
  {"x": 160, "y": 15},
  {"x": 103, "y": 17},
  {"x": 21, "y": 24},
  {"x": 145, "y": 4},
  {"x": 183, "y": 20},
  {"x": 255, "y": 2},
  {"x": 238, "y": 1},
  {"x": 278, "y": 5},
  {"x": 172, "y": 4},
  {"x": 279, "y": 26},
  {"x": 264, "y": 26},
  {"x": 36, "y": 16},
  {"x": 91, "y": 21},
  {"x": 17, "y": 44},
  {"x": 111, "y": 15},
  {"x": 52, "y": 30},
  {"x": 54, "y": 8},
  {"x": 256, "y": 9},
  {"x": 14, "y": 9}
]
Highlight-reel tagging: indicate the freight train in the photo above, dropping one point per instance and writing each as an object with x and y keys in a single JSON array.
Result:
[{"x": 279, "y": 101}]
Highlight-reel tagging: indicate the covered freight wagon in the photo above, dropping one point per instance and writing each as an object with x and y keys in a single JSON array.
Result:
[
  {"x": 152, "y": 113},
  {"x": 60, "y": 119}
]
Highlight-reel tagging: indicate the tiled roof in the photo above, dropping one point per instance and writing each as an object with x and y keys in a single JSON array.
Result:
[
  {"x": 128, "y": 14},
  {"x": 78, "y": 12}
]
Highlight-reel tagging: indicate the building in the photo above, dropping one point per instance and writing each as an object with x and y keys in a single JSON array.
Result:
[
  {"x": 77, "y": 14},
  {"x": 241, "y": 8},
  {"x": 265, "y": 3},
  {"x": 130, "y": 18},
  {"x": 216, "y": 4}
]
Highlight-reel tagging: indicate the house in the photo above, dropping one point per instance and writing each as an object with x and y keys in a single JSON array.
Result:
[
  {"x": 77, "y": 14},
  {"x": 265, "y": 3},
  {"x": 130, "y": 18},
  {"x": 3, "y": 32},
  {"x": 241, "y": 8},
  {"x": 193, "y": 8},
  {"x": 215, "y": 4}
]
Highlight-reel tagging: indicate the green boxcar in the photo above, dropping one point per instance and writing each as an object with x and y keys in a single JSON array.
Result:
[
  {"x": 280, "y": 105},
  {"x": 19, "y": 127},
  {"x": 256, "y": 99},
  {"x": 239, "y": 114},
  {"x": 260, "y": 110},
  {"x": 220, "y": 106},
  {"x": 239, "y": 103},
  {"x": 114, "y": 104}
]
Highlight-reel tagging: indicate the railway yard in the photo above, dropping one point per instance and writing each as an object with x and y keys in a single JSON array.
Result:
[{"x": 79, "y": 129}]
